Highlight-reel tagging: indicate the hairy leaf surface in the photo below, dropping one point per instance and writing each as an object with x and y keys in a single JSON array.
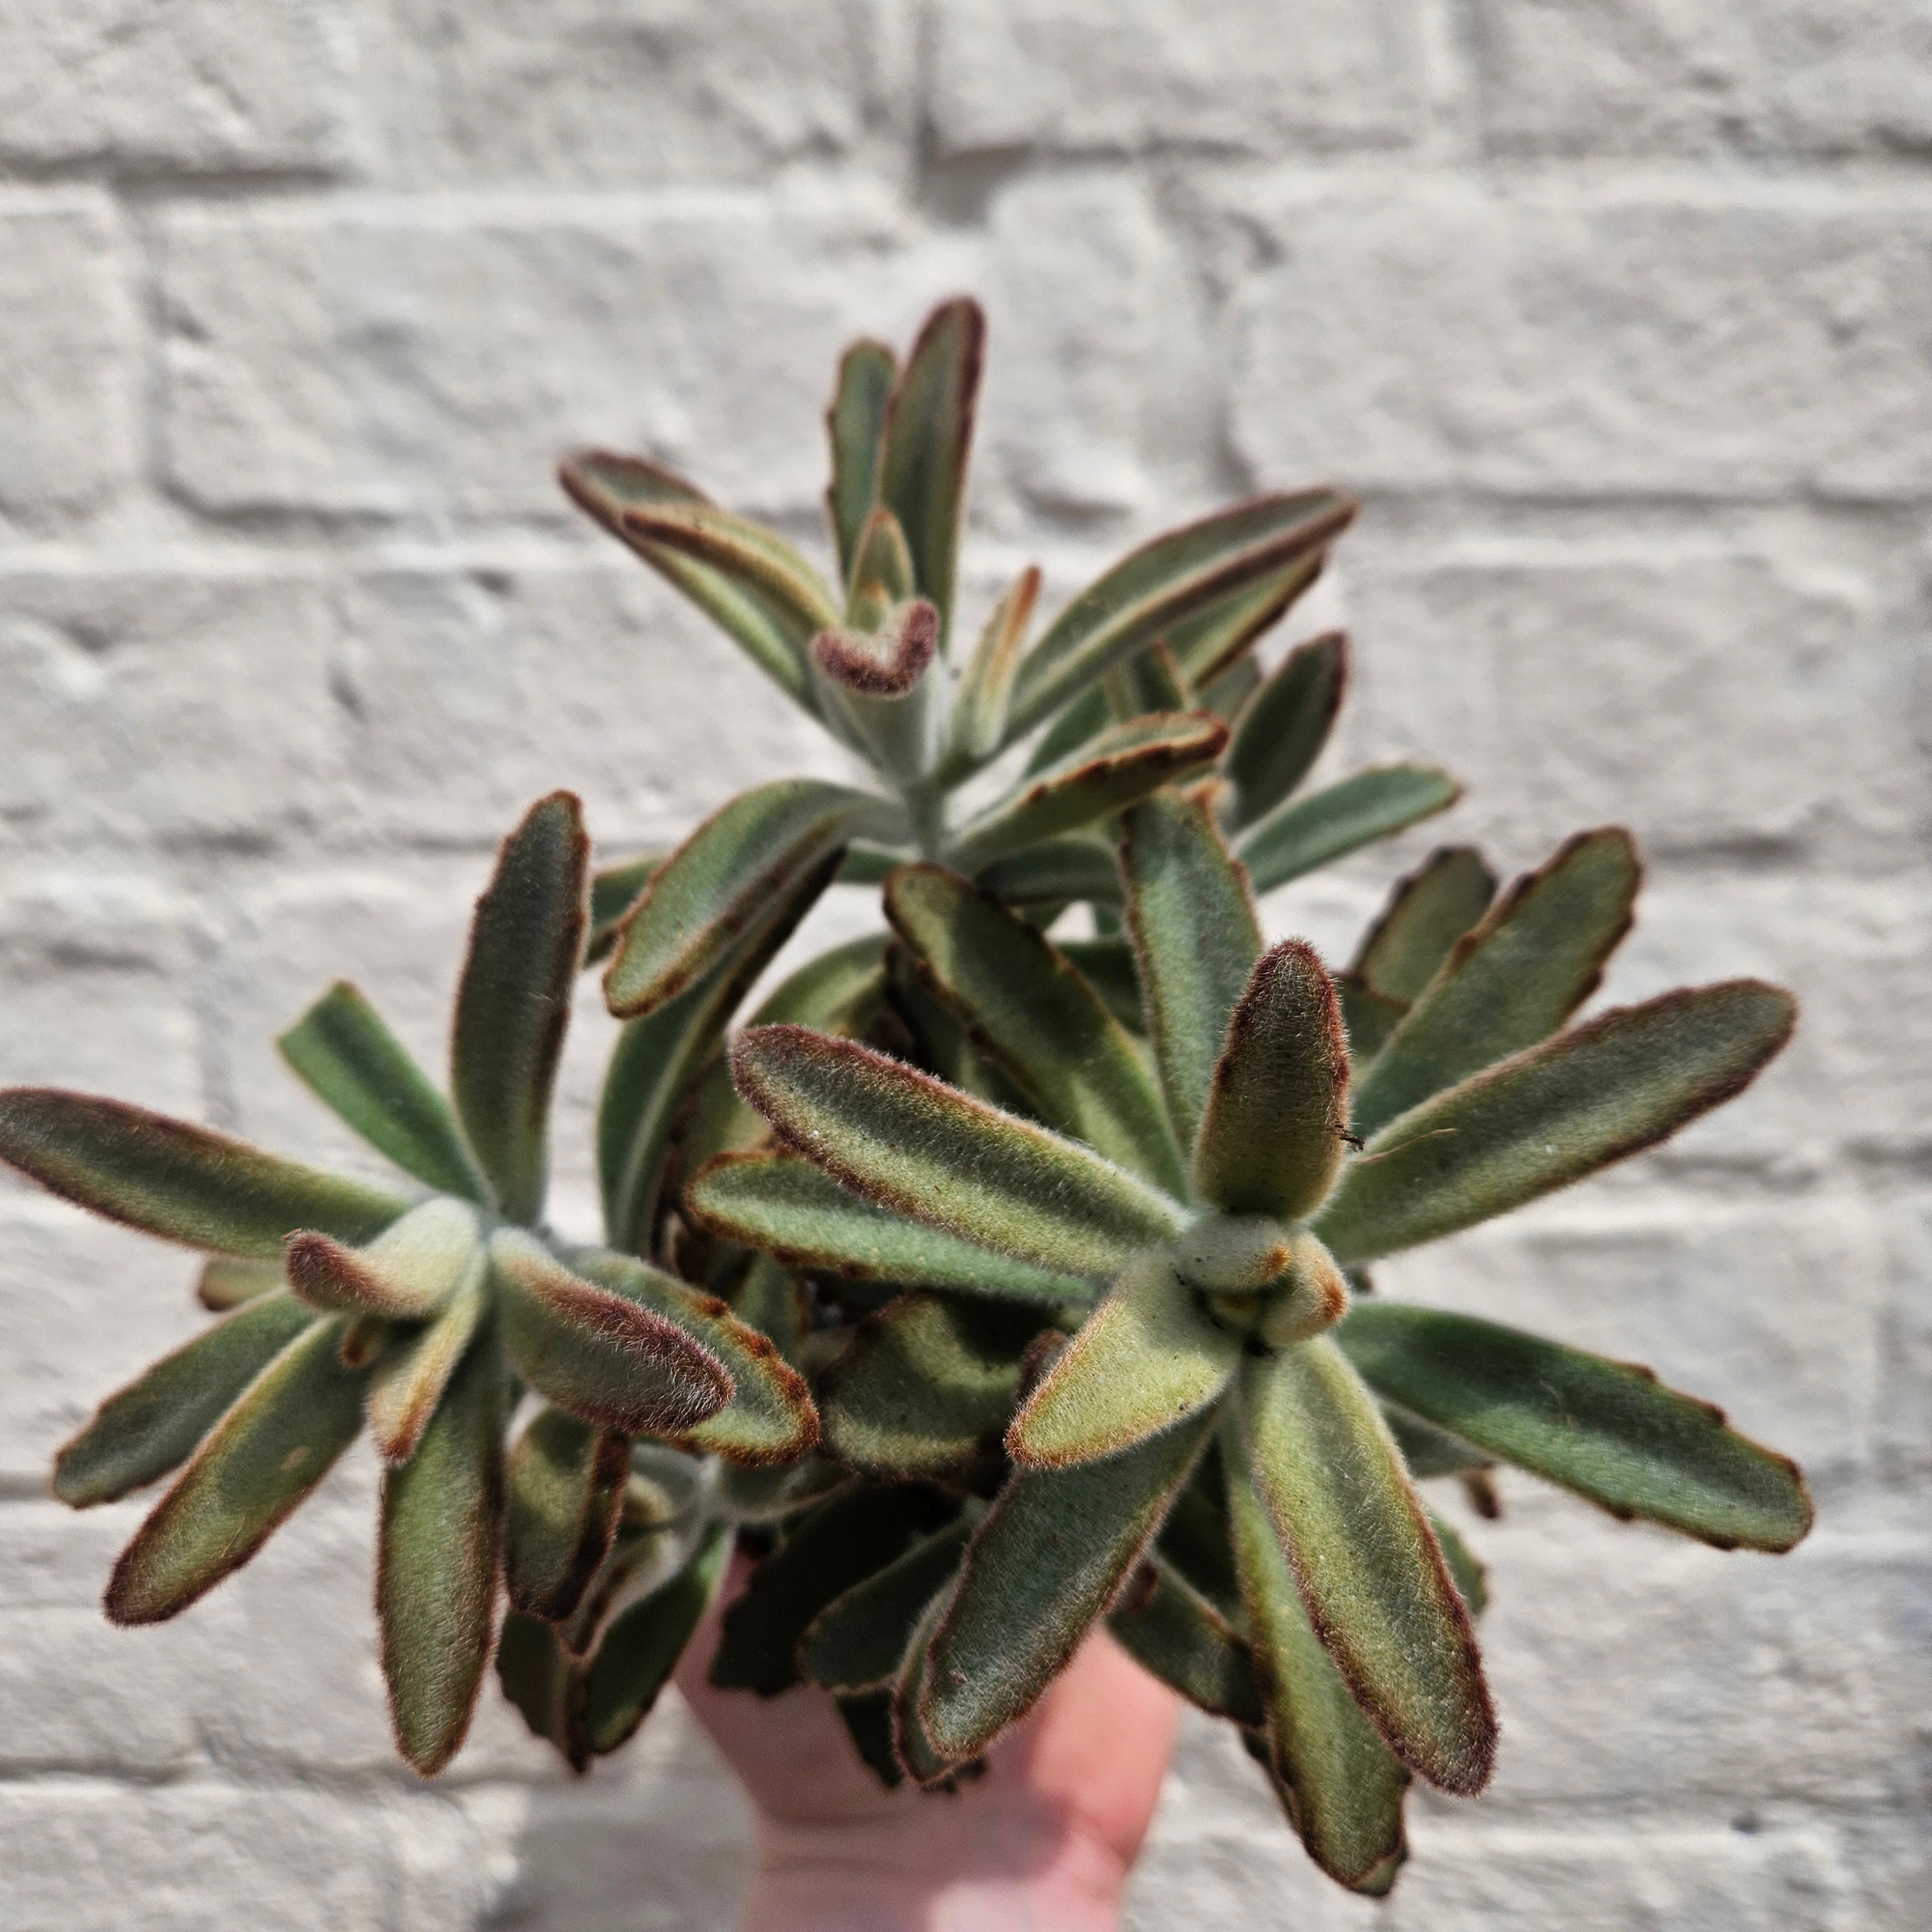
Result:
[
  {"x": 407, "y": 1382},
  {"x": 1177, "y": 1634},
  {"x": 858, "y": 1642},
  {"x": 1320, "y": 827},
  {"x": 565, "y": 1484},
  {"x": 1426, "y": 913},
  {"x": 1283, "y": 728},
  {"x": 856, "y": 423}
]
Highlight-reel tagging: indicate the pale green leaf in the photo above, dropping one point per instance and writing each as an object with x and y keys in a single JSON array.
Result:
[
  {"x": 1609, "y": 1430},
  {"x": 1147, "y": 1358},
  {"x": 183, "y": 1183},
  {"x": 1195, "y": 941},
  {"x": 917, "y": 1148},
  {"x": 410, "y": 1377},
  {"x": 1590, "y": 1096},
  {"x": 565, "y": 1484},
  {"x": 1511, "y": 981},
  {"x": 1321, "y": 827},
  {"x": 407, "y": 1274},
  {"x": 1370, "y": 1570},
  {"x": 153, "y": 1425},
  {"x": 1084, "y": 718},
  {"x": 856, "y": 423},
  {"x": 1165, "y": 581},
  {"x": 1271, "y": 1136},
  {"x": 1426, "y": 913},
  {"x": 1173, "y": 1631},
  {"x": 274, "y": 1443},
  {"x": 614, "y": 889},
  {"x": 514, "y": 1001},
  {"x": 357, "y": 1066},
  {"x": 1057, "y": 872},
  {"x": 1282, "y": 729},
  {"x": 1217, "y": 638},
  {"x": 985, "y": 690},
  {"x": 1107, "y": 965},
  {"x": 226, "y": 1282}
]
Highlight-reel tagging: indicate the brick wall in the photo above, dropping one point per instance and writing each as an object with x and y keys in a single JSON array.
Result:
[{"x": 1618, "y": 315}]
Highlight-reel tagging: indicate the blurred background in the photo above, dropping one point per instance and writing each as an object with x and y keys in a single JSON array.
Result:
[{"x": 1618, "y": 315}]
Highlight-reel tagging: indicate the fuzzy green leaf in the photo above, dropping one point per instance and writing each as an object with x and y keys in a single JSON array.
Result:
[
  {"x": 183, "y": 1183},
  {"x": 882, "y": 573},
  {"x": 917, "y": 1755},
  {"x": 985, "y": 691},
  {"x": 1511, "y": 981},
  {"x": 915, "y": 1146},
  {"x": 843, "y": 1541},
  {"x": 1368, "y": 1018},
  {"x": 614, "y": 889},
  {"x": 1053, "y": 1550},
  {"x": 641, "y": 1647},
  {"x": 929, "y": 437},
  {"x": 1227, "y": 695},
  {"x": 1468, "y": 1575},
  {"x": 1218, "y": 638},
  {"x": 1106, "y": 775},
  {"x": 1271, "y": 1136},
  {"x": 859, "y": 1640},
  {"x": 435, "y": 1577},
  {"x": 407, "y": 1274},
  {"x": 1195, "y": 940},
  {"x": 226, "y": 1282},
  {"x": 1078, "y": 724},
  {"x": 856, "y": 423},
  {"x": 1151, "y": 680},
  {"x": 786, "y": 1207},
  {"x": 514, "y": 1002},
  {"x": 1609, "y": 1430},
  {"x": 1610, "y": 1088},
  {"x": 356, "y": 1066},
  {"x": 152, "y": 1425},
  {"x": 884, "y": 664},
  {"x": 925, "y": 1388},
  {"x": 1107, "y": 965},
  {"x": 275, "y": 1442},
  {"x": 1427, "y": 1450},
  {"x": 1283, "y": 728},
  {"x": 770, "y": 630},
  {"x": 408, "y": 1379},
  {"x": 597, "y": 1353},
  {"x": 1056, "y": 873},
  {"x": 769, "y": 1417},
  {"x": 565, "y": 1484},
  {"x": 1165, "y": 581},
  {"x": 766, "y": 842},
  {"x": 1027, "y": 1007},
  {"x": 658, "y": 1060},
  {"x": 1347, "y": 1785},
  {"x": 1176, "y": 1633},
  {"x": 535, "y": 1673},
  {"x": 1147, "y": 1358},
  {"x": 1370, "y": 1572},
  {"x": 1322, "y": 826},
  {"x": 1426, "y": 913}
]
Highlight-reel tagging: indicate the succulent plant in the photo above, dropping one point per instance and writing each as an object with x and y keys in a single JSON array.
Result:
[{"x": 990, "y": 1285}]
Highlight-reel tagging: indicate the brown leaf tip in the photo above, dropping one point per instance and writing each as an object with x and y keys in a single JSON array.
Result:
[{"x": 886, "y": 663}]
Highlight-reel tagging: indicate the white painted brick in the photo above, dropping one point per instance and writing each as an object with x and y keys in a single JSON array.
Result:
[
  {"x": 1714, "y": 701},
  {"x": 1218, "y": 74},
  {"x": 646, "y": 93},
  {"x": 399, "y": 360},
  {"x": 178, "y": 89},
  {"x": 1904, "y": 1423},
  {"x": 1540, "y": 343},
  {"x": 145, "y": 706},
  {"x": 1646, "y": 77},
  {"x": 68, "y": 357}
]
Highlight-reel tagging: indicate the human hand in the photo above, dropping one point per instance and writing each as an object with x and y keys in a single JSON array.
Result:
[{"x": 1044, "y": 1840}]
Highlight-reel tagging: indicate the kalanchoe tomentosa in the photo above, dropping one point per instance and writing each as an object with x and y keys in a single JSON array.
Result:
[{"x": 1071, "y": 1234}]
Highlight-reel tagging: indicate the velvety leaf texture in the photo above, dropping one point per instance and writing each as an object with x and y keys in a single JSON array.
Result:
[
  {"x": 787, "y": 1207},
  {"x": 1167, "y": 580},
  {"x": 185, "y": 1184},
  {"x": 597, "y": 1353},
  {"x": 1606, "y": 1429},
  {"x": 1028, "y": 1006},
  {"x": 1320, "y": 827},
  {"x": 720, "y": 879},
  {"x": 1512, "y": 981},
  {"x": 1215, "y": 639},
  {"x": 1348, "y": 1786},
  {"x": 1426, "y": 913},
  {"x": 754, "y": 562},
  {"x": 1283, "y": 728},
  {"x": 859, "y": 1640},
  {"x": 855, "y": 423},
  {"x": 1270, "y": 1139},
  {"x": 273, "y": 1445},
  {"x": 1174, "y": 1632},
  {"x": 1195, "y": 941},
  {"x": 1053, "y": 1550},
  {"x": 1107, "y": 774},
  {"x": 1055, "y": 872},
  {"x": 985, "y": 690},
  {"x": 925, "y": 1387},
  {"x": 613, "y": 891},
  {"x": 152, "y": 1425},
  {"x": 1147, "y": 1358},
  {"x": 408, "y": 1380},
  {"x": 407, "y": 1274},
  {"x": 514, "y": 1002},
  {"x": 1370, "y": 1570},
  {"x": 436, "y": 1579},
  {"x": 920, "y": 1148},
  {"x": 565, "y": 1484},
  {"x": 357, "y": 1066},
  {"x": 928, "y": 436},
  {"x": 226, "y": 1282},
  {"x": 1612, "y": 1087}
]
